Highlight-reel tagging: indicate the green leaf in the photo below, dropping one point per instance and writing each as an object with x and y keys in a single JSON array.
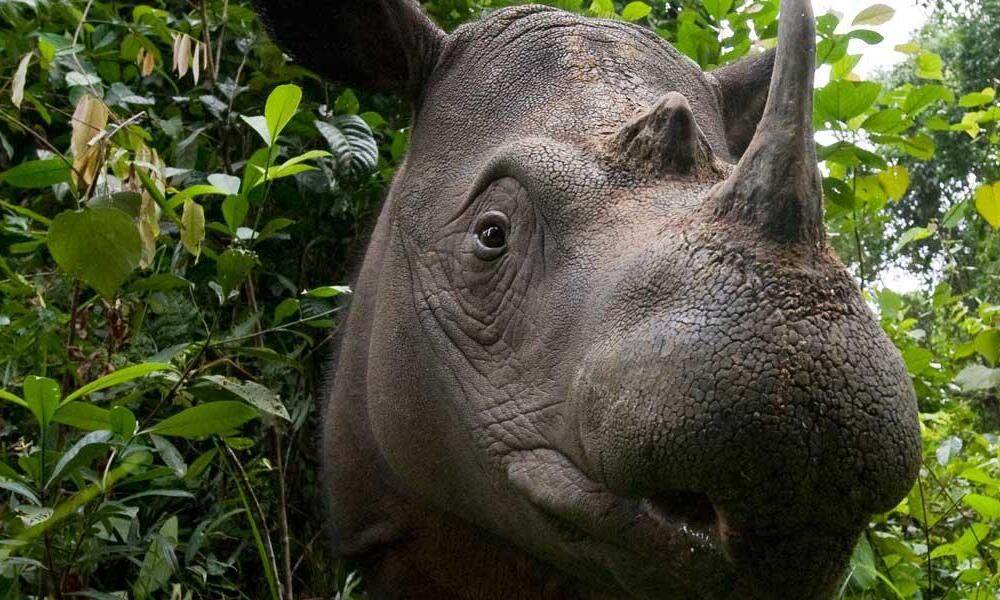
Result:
[
  {"x": 347, "y": 102},
  {"x": 843, "y": 67},
  {"x": 204, "y": 420},
  {"x": 158, "y": 564},
  {"x": 258, "y": 124},
  {"x": 234, "y": 211},
  {"x": 193, "y": 227},
  {"x": 20, "y": 489},
  {"x": 94, "y": 441},
  {"x": 287, "y": 308},
  {"x": 988, "y": 203},
  {"x": 978, "y": 98},
  {"x": 82, "y": 415},
  {"x": 988, "y": 507},
  {"x": 988, "y": 345},
  {"x": 636, "y": 11},
  {"x": 170, "y": 455},
  {"x": 123, "y": 421},
  {"x": 917, "y": 359},
  {"x": 5, "y": 395},
  {"x": 920, "y": 146},
  {"x": 890, "y": 120},
  {"x": 718, "y": 8},
  {"x": 233, "y": 267},
  {"x": 327, "y": 291},
  {"x": 872, "y": 38},
  {"x": 253, "y": 393},
  {"x": 923, "y": 96},
  {"x": 914, "y": 234},
  {"x": 118, "y": 377},
  {"x": 844, "y": 100},
  {"x": 876, "y": 14},
  {"x": 42, "y": 397},
  {"x": 975, "y": 378},
  {"x": 101, "y": 246},
  {"x": 281, "y": 106},
  {"x": 37, "y": 173}
]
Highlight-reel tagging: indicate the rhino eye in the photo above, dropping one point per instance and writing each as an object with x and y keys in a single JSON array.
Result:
[{"x": 491, "y": 235}]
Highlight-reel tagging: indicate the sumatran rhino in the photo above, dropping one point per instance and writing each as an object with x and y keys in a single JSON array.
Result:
[{"x": 599, "y": 346}]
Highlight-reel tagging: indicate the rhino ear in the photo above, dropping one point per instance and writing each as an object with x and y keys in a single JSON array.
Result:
[
  {"x": 378, "y": 45},
  {"x": 743, "y": 86}
]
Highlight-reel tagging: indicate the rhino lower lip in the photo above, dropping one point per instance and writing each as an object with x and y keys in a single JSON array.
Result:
[{"x": 678, "y": 529}]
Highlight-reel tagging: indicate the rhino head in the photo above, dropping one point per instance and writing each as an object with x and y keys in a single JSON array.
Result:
[{"x": 599, "y": 346}]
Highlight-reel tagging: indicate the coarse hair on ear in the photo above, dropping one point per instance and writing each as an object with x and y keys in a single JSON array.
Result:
[
  {"x": 743, "y": 89},
  {"x": 386, "y": 46}
]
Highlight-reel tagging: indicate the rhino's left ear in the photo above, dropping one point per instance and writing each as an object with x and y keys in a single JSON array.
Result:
[
  {"x": 743, "y": 87},
  {"x": 379, "y": 45}
]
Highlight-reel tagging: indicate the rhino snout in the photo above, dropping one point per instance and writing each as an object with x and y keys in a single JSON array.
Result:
[{"x": 778, "y": 431}]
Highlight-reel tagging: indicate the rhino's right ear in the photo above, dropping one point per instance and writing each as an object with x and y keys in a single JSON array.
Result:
[
  {"x": 378, "y": 45},
  {"x": 743, "y": 88}
]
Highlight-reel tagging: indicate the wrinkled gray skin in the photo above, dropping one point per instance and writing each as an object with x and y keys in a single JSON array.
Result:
[{"x": 664, "y": 385}]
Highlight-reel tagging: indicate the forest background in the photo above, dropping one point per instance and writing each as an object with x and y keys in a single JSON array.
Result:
[{"x": 181, "y": 207}]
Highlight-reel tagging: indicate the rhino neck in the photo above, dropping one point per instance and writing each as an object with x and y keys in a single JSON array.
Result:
[{"x": 404, "y": 548}]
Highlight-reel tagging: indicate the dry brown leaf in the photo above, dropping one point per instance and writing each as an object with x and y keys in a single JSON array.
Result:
[
  {"x": 89, "y": 119},
  {"x": 196, "y": 62},
  {"x": 17, "y": 84},
  {"x": 87, "y": 165},
  {"x": 148, "y": 64},
  {"x": 182, "y": 54}
]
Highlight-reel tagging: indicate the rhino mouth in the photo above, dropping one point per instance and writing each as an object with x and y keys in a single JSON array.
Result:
[{"x": 654, "y": 547}]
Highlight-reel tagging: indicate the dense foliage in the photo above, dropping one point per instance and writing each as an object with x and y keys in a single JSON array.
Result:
[{"x": 180, "y": 208}]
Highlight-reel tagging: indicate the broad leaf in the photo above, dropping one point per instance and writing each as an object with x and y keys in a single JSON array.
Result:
[
  {"x": 204, "y": 420},
  {"x": 351, "y": 141},
  {"x": 101, "y": 246},
  {"x": 281, "y": 106},
  {"x": 193, "y": 227},
  {"x": 95, "y": 441},
  {"x": 254, "y": 393},
  {"x": 844, "y": 100},
  {"x": 42, "y": 397},
  {"x": 877, "y": 14},
  {"x": 636, "y": 11},
  {"x": 988, "y": 203}
]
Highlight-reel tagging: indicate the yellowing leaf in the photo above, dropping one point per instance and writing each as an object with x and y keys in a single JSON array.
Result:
[
  {"x": 149, "y": 229},
  {"x": 17, "y": 84},
  {"x": 193, "y": 226},
  {"x": 895, "y": 181},
  {"x": 877, "y": 14},
  {"x": 930, "y": 66},
  {"x": 988, "y": 203}
]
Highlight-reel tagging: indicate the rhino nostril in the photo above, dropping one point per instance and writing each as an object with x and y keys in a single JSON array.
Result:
[{"x": 693, "y": 509}]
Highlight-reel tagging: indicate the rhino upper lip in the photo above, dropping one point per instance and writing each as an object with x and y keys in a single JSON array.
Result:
[{"x": 658, "y": 528}]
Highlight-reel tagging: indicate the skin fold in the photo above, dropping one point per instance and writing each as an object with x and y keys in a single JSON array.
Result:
[{"x": 599, "y": 346}]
